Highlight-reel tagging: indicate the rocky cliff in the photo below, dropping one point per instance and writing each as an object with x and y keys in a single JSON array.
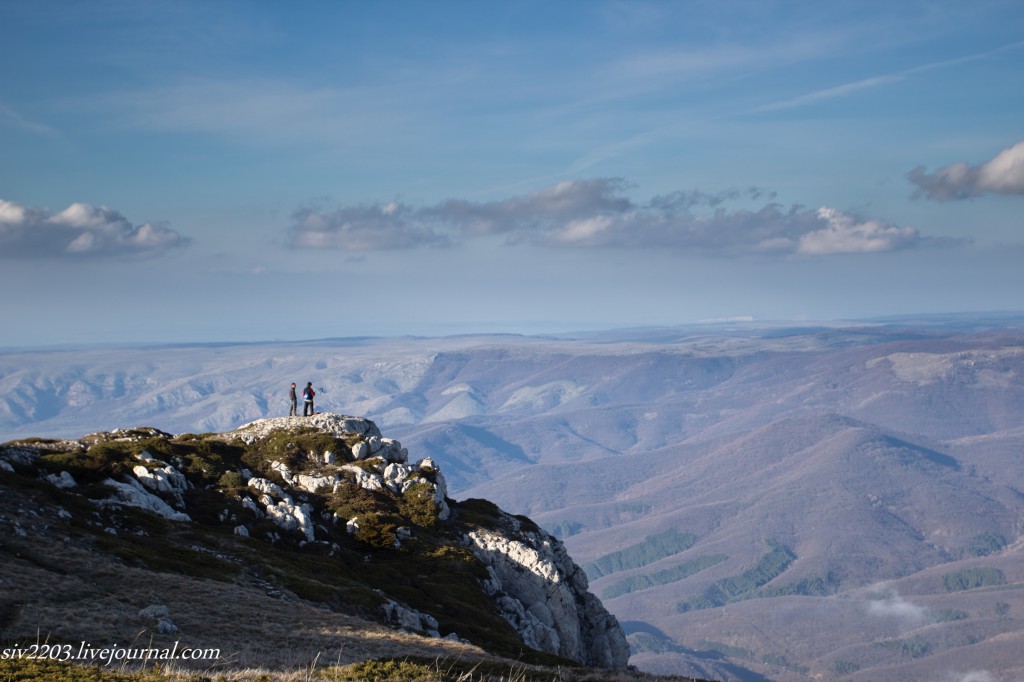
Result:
[{"x": 323, "y": 509}]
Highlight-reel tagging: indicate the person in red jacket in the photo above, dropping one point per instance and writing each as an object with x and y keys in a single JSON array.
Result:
[{"x": 307, "y": 396}]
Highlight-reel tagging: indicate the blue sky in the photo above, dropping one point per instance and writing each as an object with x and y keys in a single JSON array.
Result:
[{"x": 179, "y": 171}]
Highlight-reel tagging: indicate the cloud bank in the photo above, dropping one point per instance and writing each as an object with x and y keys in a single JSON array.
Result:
[
  {"x": 1002, "y": 174},
  {"x": 595, "y": 213},
  {"x": 79, "y": 231}
]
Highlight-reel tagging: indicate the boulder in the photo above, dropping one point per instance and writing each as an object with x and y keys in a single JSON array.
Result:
[
  {"x": 360, "y": 450},
  {"x": 282, "y": 468},
  {"x": 338, "y": 425},
  {"x": 65, "y": 480},
  {"x": 313, "y": 483},
  {"x": 161, "y": 616},
  {"x": 365, "y": 479},
  {"x": 133, "y": 494},
  {"x": 409, "y": 619},
  {"x": 290, "y": 516},
  {"x": 265, "y": 486}
]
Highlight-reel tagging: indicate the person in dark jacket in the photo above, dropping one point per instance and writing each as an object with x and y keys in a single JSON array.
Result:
[
  {"x": 307, "y": 397},
  {"x": 293, "y": 411}
]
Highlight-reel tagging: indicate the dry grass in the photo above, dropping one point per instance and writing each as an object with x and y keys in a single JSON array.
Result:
[{"x": 57, "y": 588}]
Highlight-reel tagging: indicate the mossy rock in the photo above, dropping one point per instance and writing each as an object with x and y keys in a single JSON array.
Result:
[
  {"x": 479, "y": 513},
  {"x": 299, "y": 450},
  {"x": 100, "y": 461}
]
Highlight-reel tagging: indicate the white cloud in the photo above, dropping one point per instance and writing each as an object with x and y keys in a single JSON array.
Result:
[
  {"x": 585, "y": 231},
  {"x": 79, "y": 231},
  {"x": 361, "y": 228},
  {"x": 843, "y": 233},
  {"x": 563, "y": 203},
  {"x": 976, "y": 676},
  {"x": 595, "y": 213},
  {"x": 1005, "y": 172},
  {"x": 1002, "y": 174},
  {"x": 894, "y": 606}
]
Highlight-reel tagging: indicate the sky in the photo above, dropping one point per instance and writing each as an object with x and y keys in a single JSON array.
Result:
[{"x": 247, "y": 171}]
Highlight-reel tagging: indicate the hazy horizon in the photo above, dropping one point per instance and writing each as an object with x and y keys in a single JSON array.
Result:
[{"x": 719, "y": 325}]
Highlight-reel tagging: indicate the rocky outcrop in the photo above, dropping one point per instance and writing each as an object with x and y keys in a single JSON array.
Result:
[
  {"x": 370, "y": 442},
  {"x": 133, "y": 494},
  {"x": 354, "y": 493},
  {"x": 159, "y": 476},
  {"x": 280, "y": 508},
  {"x": 537, "y": 587},
  {"x": 382, "y": 466},
  {"x": 545, "y": 596},
  {"x": 335, "y": 424}
]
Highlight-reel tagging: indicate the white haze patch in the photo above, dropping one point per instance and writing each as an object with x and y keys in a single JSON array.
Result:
[
  {"x": 975, "y": 676},
  {"x": 896, "y": 607}
]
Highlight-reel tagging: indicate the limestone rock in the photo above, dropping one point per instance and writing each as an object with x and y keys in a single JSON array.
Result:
[
  {"x": 398, "y": 477},
  {"x": 337, "y": 425},
  {"x": 282, "y": 468},
  {"x": 65, "y": 480},
  {"x": 265, "y": 486},
  {"x": 388, "y": 449},
  {"x": 165, "y": 479},
  {"x": 409, "y": 619},
  {"x": 314, "y": 483},
  {"x": 252, "y": 506},
  {"x": 365, "y": 479},
  {"x": 133, "y": 494},
  {"x": 162, "y": 617},
  {"x": 360, "y": 450},
  {"x": 545, "y": 596},
  {"x": 291, "y": 516},
  {"x": 279, "y": 507}
]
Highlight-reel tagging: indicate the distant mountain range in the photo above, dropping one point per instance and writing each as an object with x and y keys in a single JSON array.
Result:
[{"x": 841, "y": 501}]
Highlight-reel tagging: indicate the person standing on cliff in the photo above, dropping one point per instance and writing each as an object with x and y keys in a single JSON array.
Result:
[
  {"x": 307, "y": 397},
  {"x": 293, "y": 411}
]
